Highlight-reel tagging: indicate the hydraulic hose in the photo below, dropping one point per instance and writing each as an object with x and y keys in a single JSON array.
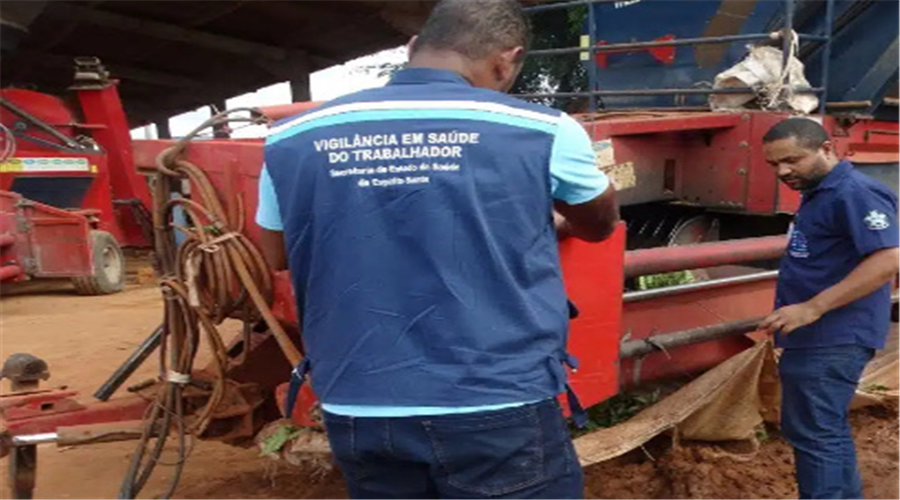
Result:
[{"x": 217, "y": 273}]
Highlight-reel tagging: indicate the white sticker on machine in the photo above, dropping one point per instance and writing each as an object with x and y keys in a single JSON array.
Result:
[
  {"x": 621, "y": 176},
  {"x": 45, "y": 165},
  {"x": 604, "y": 154}
]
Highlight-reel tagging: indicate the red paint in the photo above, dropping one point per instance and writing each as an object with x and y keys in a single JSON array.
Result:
[
  {"x": 46, "y": 411},
  {"x": 663, "y": 54}
]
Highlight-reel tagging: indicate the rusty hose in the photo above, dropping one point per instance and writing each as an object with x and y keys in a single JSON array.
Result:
[{"x": 217, "y": 273}]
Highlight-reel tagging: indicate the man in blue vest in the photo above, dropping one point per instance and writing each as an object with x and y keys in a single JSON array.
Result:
[
  {"x": 832, "y": 302},
  {"x": 418, "y": 224}
]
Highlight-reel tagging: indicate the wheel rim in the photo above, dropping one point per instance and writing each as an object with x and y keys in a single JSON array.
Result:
[{"x": 112, "y": 265}]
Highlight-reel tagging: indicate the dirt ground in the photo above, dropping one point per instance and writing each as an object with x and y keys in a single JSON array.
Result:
[{"x": 85, "y": 338}]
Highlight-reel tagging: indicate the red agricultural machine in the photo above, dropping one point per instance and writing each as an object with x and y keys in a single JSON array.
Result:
[
  {"x": 692, "y": 181},
  {"x": 70, "y": 196}
]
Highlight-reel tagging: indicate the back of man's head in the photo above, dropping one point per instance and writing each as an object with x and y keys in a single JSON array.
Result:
[
  {"x": 808, "y": 133},
  {"x": 475, "y": 29}
]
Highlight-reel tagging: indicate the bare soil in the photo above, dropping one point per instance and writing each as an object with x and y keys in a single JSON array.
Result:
[{"x": 85, "y": 338}]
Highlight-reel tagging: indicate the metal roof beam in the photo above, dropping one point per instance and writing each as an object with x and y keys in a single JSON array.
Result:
[{"x": 170, "y": 32}]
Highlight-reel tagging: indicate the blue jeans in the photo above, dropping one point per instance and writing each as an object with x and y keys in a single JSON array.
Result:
[
  {"x": 521, "y": 452},
  {"x": 817, "y": 386}
]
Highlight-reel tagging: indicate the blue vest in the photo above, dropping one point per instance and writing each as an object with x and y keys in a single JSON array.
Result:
[{"x": 417, "y": 222}]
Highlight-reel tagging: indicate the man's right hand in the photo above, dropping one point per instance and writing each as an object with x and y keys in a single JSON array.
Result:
[{"x": 593, "y": 220}]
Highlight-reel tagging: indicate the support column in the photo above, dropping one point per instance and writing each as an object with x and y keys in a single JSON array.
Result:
[{"x": 162, "y": 129}]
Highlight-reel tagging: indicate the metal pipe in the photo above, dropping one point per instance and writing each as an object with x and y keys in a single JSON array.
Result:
[
  {"x": 281, "y": 111},
  {"x": 669, "y": 43},
  {"x": 33, "y": 439},
  {"x": 787, "y": 40},
  {"x": 564, "y": 5},
  {"x": 69, "y": 142},
  {"x": 826, "y": 53},
  {"x": 130, "y": 365},
  {"x": 653, "y": 92},
  {"x": 667, "y": 341},
  {"x": 679, "y": 258},
  {"x": 7, "y": 239},
  {"x": 694, "y": 287},
  {"x": 9, "y": 272}
]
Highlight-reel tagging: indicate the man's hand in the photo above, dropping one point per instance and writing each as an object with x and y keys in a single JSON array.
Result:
[
  {"x": 789, "y": 318},
  {"x": 563, "y": 229}
]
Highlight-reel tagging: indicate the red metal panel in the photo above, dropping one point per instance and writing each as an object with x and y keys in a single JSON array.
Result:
[
  {"x": 593, "y": 278},
  {"x": 49, "y": 242}
]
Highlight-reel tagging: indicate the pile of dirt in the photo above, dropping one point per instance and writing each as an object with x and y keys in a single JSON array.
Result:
[
  {"x": 741, "y": 470},
  {"x": 658, "y": 470}
]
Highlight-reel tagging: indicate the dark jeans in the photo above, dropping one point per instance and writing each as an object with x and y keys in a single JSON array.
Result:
[
  {"x": 817, "y": 386},
  {"x": 522, "y": 452}
]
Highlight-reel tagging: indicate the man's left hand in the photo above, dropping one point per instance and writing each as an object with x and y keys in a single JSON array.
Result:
[{"x": 789, "y": 318}]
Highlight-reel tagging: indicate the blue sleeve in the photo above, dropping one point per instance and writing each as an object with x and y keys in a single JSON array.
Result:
[
  {"x": 268, "y": 215},
  {"x": 869, "y": 215},
  {"x": 574, "y": 176}
]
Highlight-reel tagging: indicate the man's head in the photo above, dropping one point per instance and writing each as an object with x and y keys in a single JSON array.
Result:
[
  {"x": 800, "y": 151},
  {"x": 484, "y": 40}
]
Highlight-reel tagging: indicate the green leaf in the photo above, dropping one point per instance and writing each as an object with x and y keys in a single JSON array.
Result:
[{"x": 276, "y": 441}]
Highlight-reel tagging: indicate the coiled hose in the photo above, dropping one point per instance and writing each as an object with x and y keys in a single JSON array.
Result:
[{"x": 215, "y": 274}]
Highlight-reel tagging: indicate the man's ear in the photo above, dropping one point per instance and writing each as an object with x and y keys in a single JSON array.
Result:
[
  {"x": 411, "y": 46},
  {"x": 827, "y": 148},
  {"x": 507, "y": 66}
]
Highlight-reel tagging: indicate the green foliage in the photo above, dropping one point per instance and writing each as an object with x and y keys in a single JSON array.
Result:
[
  {"x": 555, "y": 29},
  {"x": 277, "y": 440},
  {"x": 665, "y": 279},
  {"x": 617, "y": 409}
]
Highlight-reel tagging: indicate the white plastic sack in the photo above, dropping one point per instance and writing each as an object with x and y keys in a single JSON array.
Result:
[{"x": 761, "y": 70}]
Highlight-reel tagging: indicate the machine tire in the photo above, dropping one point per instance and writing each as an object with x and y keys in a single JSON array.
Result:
[{"x": 109, "y": 267}]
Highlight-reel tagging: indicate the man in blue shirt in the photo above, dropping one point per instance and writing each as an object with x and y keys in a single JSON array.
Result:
[
  {"x": 417, "y": 221},
  {"x": 833, "y": 300}
]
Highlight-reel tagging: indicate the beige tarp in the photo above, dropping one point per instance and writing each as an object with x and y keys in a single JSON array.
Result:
[{"x": 728, "y": 403}]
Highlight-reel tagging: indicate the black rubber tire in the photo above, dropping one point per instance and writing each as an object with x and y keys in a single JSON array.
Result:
[
  {"x": 895, "y": 313},
  {"x": 109, "y": 267}
]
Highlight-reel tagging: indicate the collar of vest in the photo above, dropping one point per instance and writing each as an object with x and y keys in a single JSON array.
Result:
[{"x": 412, "y": 76}]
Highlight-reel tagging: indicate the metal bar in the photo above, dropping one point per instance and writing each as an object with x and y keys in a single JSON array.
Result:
[
  {"x": 653, "y": 92},
  {"x": 564, "y": 5},
  {"x": 668, "y": 341},
  {"x": 846, "y": 105},
  {"x": 826, "y": 54},
  {"x": 23, "y": 470},
  {"x": 30, "y": 439},
  {"x": 10, "y": 272},
  {"x": 787, "y": 40},
  {"x": 69, "y": 143},
  {"x": 130, "y": 365},
  {"x": 668, "y": 259},
  {"x": 7, "y": 239},
  {"x": 696, "y": 287},
  {"x": 667, "y": 43}
]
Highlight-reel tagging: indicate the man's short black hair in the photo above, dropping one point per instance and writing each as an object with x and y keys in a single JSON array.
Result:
[
  {"x": 809, "y": 133},
  {"x": 475, "y": 28}
]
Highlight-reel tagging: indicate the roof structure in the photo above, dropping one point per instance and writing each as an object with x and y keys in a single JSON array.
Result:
[{"x": 174, "y": 56}]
